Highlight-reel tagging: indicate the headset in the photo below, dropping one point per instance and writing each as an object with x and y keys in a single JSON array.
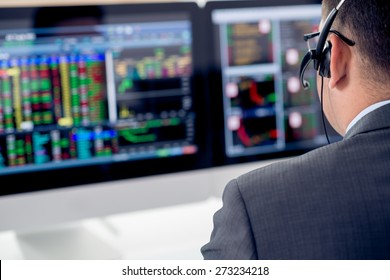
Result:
[{"x": 321, "y": 54}]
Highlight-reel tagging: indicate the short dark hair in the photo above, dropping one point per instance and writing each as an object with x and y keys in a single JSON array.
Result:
[{"x": 368, "y": 23}]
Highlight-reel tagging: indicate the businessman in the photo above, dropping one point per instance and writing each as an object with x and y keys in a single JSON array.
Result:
[{"x": 333, "y": 202}]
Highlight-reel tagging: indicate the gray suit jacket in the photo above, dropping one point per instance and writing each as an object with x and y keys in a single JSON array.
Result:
[{"x": 331, "y": 203}]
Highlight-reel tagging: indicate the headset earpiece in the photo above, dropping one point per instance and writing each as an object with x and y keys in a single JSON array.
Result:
[
  {"x": 324, "y": 63},
  {"x": 321, "y": 54}
]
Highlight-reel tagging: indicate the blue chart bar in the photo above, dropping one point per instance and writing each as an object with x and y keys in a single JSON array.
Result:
[
  {"x": 84, "y": 144},
  {"x": 40, "y": 151}
]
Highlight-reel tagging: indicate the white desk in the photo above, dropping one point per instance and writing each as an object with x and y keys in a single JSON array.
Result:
[
  {"x": 173, "y": 232},
  {"x": 164, "y": 233}
]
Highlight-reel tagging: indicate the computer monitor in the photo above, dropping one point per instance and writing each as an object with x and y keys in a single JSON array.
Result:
[
  {"x": 93, "y": 95},
  {"x": 259, "y": 106}
]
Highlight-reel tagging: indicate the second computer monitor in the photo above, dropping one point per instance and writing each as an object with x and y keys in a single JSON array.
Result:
[{"x": 255, "y": 78}]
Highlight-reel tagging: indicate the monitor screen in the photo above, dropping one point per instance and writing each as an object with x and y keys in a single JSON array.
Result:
[
  {"x": 97, "y": 93},
  {"x": 258, "y": 99}
]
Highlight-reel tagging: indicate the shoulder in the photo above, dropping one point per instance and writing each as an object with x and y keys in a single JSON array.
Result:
[
  {"x": 294, "y": 175},
  {"x": 292, "y": 166}
]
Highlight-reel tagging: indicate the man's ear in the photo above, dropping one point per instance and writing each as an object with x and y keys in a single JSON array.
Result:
[{"x": 339, "y": 61}]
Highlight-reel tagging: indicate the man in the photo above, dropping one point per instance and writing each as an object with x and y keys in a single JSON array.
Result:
[{"x": 333, "y": 202}]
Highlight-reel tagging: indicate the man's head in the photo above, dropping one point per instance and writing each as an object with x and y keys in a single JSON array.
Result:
[
  {"x": 360, "y": 75},
  {"x": 368, "y": 24}
]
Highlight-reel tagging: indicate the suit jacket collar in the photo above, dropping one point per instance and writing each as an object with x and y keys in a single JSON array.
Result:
[{"x": 377, "y": 119}]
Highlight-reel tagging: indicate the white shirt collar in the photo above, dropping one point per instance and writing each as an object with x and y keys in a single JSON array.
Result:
[{"x": 369, "y": 109}]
